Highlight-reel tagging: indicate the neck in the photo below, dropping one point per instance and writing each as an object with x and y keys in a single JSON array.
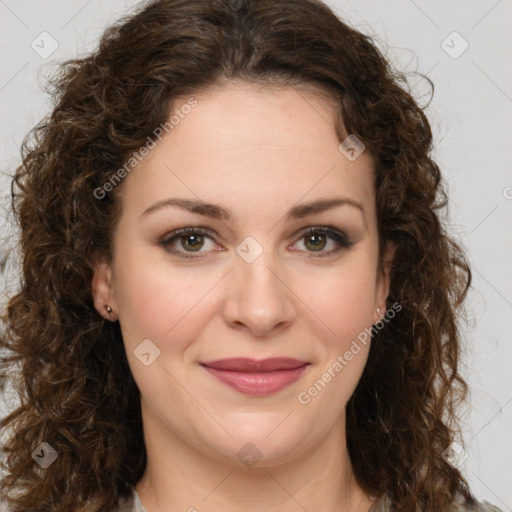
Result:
[{"x": 180, "y": 477}]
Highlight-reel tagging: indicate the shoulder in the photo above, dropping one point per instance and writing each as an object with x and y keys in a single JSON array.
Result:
[
  {"x": 479, "y": 506},
  {"x": 131, "y": 503},
  {"x": 384, "y": 505},
  {"x": 126, "y": 505},
  {"x": 483, "y": 506}
]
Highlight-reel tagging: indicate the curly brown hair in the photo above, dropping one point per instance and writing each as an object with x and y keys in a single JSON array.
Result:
[{"x": 75, "y": 386}]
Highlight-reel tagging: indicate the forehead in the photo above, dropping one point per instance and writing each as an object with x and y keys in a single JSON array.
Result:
[
  {"x": 242, "y": 144},
  {"x": 242, "y": 116}
]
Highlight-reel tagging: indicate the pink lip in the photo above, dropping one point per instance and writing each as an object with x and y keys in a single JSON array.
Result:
[{"x": 257, "y": 378}]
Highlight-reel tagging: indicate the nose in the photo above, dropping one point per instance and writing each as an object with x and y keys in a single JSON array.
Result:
[{"x": 260, "y": 299}]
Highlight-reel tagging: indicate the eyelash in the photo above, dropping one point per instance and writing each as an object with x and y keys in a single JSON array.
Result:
[{"x": 338, "y": 236}]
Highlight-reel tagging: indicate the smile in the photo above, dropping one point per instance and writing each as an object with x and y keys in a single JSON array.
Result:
[{"x": 257, "y": 378}]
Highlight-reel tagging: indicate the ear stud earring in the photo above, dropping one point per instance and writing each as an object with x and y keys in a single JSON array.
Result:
[
  {"x": 380, "y": 314},
  {"x": 108, "y": 308}
]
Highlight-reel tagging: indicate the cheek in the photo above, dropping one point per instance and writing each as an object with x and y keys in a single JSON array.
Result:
[
  {"x": 143, "y": 296},
  {"x": 159, "y": 301},
  {"x": 344, "y": 301},
  {"x": 167, "y": 303},
  {"x": 341, "y": 298},
  {"x": 146, "y": 304}
]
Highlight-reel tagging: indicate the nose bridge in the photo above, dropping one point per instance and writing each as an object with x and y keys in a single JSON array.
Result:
[
  {"x": 259, "y": 299},
  {"x": 254, "y": 265}
]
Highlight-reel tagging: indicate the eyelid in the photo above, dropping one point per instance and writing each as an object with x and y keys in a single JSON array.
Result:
[
  {"x": 339, "y": 236},
  {"x": 169, "y": 238},
  {"x": 343, "y": 241}
]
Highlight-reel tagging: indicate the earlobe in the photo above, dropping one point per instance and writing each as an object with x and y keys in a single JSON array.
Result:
[{"x": 101, "y": 289}]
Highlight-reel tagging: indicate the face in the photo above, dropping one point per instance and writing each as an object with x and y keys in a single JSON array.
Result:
[{"x": 257, "y": 276}]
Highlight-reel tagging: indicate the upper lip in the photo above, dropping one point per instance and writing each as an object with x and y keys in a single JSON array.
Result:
[{"x": 242, "y": 364}]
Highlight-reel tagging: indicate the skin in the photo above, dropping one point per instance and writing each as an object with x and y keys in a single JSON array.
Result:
[{"x": 256, "y": 152}]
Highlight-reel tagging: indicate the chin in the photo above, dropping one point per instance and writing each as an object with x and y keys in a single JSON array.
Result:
[{"x": 253, "y": 449}]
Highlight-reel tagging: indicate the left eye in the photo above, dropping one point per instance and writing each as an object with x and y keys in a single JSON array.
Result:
[{"x": 315, "y": 240}]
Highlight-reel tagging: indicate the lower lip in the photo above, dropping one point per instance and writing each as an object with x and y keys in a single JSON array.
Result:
[{"x": 257, "y": 383}]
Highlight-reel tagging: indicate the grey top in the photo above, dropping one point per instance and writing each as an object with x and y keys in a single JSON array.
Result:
[
  {"x": 383, "y": 505},
  {"x": 133, "y": 504}
]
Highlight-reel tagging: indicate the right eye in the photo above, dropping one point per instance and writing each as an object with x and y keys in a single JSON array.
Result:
[{"x": 189, "y": 239}]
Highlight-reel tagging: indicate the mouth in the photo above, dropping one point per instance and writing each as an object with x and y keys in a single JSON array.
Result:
[{"x": 257, "y": 378}]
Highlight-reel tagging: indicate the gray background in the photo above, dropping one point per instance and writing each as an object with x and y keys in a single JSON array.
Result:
[{"x": 471, "y": 120}]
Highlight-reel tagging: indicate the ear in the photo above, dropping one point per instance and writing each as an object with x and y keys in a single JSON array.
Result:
[
  {"x": 101, "y": 289},
  {"x": 384, "y": 281}
]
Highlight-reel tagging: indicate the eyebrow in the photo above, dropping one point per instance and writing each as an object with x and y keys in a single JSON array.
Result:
[{"x": 218, "y": 212}]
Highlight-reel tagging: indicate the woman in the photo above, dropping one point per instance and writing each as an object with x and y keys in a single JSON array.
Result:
[{"x": 306, "y": 358}]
